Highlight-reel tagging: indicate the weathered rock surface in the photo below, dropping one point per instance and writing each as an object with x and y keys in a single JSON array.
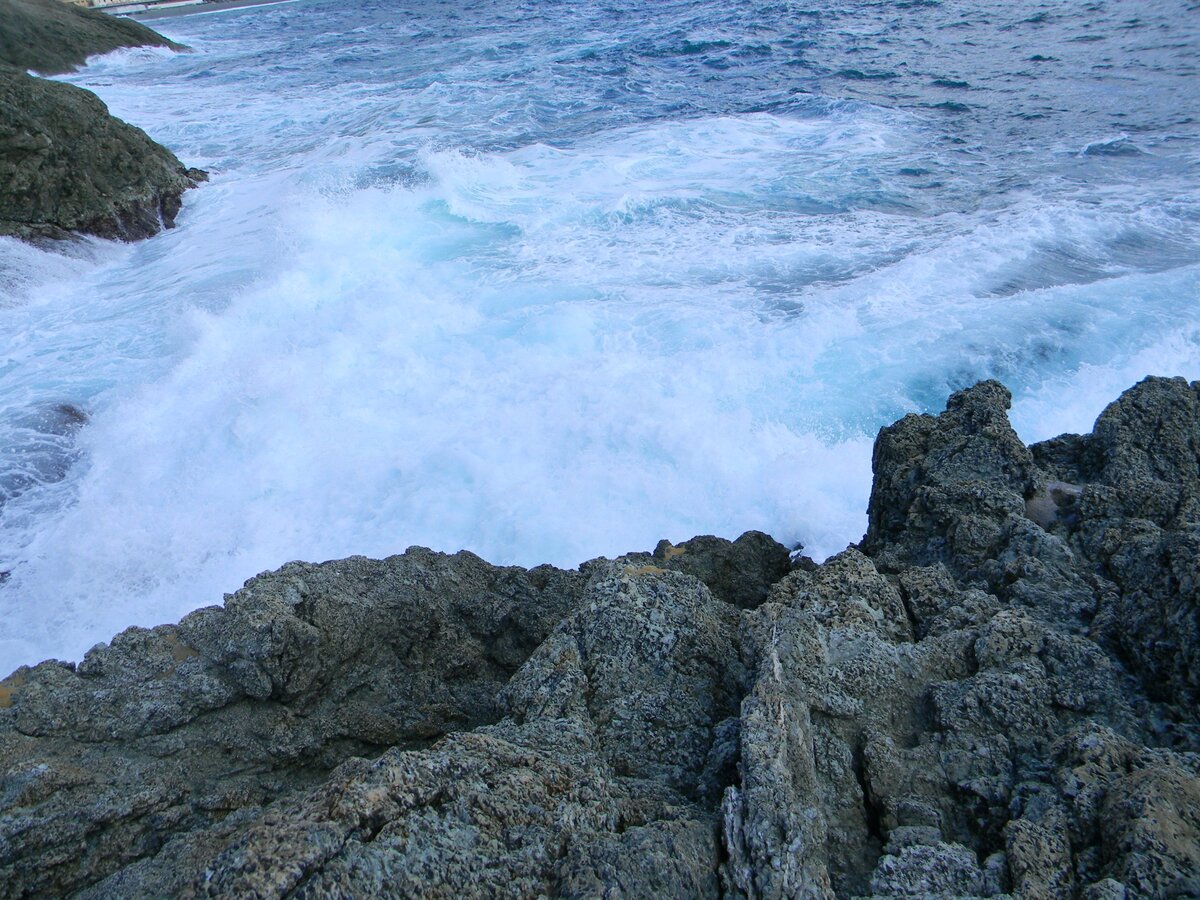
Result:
[
  {"x": 66, "y": 164},
  {"x": 994, "y": 695}
]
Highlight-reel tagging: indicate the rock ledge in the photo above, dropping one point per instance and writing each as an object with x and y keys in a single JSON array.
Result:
[{"x": 993, "y": 695}]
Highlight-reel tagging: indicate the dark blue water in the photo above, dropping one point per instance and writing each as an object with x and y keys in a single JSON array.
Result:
[{"x": 550, "y": 280}]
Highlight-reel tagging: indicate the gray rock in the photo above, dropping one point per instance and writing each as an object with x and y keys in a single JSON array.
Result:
[
  {"x": 993, "y": 695},
  {"x": 588, "y": 787},
  {"x": 167, "y": 731},
  {"x": 937, "y": 870},
  {"x": 1138, "y": 524},
  {"x": 650, "y": 660},
  {"x": 740, "y": 572},
  {"x": 949, "y": 488}
]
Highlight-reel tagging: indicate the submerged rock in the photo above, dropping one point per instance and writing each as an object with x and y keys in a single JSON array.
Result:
[{"x": 992, "y": 696}]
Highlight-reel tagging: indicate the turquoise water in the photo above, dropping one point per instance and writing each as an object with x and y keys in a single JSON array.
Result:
[{"x": 554, "y": 280}]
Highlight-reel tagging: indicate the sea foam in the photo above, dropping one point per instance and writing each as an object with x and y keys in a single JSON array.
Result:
[{"x": 546, "y": 289}]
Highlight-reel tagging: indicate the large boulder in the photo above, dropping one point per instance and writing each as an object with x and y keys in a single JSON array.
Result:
[{"x": 66, "y": 165}]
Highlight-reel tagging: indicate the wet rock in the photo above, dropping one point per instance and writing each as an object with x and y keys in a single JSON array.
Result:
[
  {"x": 45, "y": 449},
  {"x": 66, "y": 165}
]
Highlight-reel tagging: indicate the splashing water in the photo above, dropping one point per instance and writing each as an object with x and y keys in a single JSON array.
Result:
[{"x": 559, "y": 280}]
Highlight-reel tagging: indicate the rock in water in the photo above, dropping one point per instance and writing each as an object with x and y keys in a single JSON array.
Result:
[
  {"x": 66, "y": 165},
  {"x": 52, "y": 37},
  {"x": 994, "y": 695}
]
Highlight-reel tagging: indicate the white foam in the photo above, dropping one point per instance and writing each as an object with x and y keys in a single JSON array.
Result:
[
  {"x": 363, "y": 336},
  {"x": 393, "y": 385},
  {"x": 1070, "y": 403}
]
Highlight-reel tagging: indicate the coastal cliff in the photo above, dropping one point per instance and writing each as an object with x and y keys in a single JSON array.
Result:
[
  {"x": 66, "y": 164},
  {"x": 994, "y": 694}
]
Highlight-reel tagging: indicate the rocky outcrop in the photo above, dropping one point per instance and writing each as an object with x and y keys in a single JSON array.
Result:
[
  {"x": 992, "y": 695},
  {"x": 52, "y": 37},
  {"x": 66, "y": 164}
]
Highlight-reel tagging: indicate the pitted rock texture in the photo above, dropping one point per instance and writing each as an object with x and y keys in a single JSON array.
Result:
[
  {"x": 992, "y": 696},
  {"x": 237, "y": 706},
  {"x": 66, "y": 165}
]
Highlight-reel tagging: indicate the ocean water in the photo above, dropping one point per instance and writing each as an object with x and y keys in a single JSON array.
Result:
[{"x": 551, "y": 280}]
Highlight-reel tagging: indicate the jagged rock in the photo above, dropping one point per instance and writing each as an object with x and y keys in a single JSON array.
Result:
[
  {"x": 948, "y": 488},
  {"x": 992, "y": 696},
  {"x": 1135, "y": 809},
  {"x": 740, "y": 573},
  {"x": 650, "y": 660},
  {"x": 167, "y": 731},
  {"x": 593, "y": 784},
  {"x": 1146, "y": 446},
  {"x": 954, "y": 490},
  {"x": 1139, "y": 523}
]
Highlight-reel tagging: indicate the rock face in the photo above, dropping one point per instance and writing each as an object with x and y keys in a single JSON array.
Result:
[
  {"x": 66, "y": 165},
  {"x": 993, "y": 695},
  {"x": 52, "y": 37}
]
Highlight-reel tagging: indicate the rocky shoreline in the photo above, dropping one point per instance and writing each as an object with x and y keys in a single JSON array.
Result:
[
  {"x": 994, "y": 694},
  {"x": 66, "y": 165}
]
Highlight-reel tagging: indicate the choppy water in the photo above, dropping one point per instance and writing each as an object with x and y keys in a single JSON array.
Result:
[{"x": 549, "y": 280}]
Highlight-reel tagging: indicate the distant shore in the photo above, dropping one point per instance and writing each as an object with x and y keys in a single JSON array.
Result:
[{"x": 209, "y": 6}]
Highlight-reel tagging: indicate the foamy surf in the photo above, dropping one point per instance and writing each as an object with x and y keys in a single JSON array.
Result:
[{"x": 550, "y": 288}]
